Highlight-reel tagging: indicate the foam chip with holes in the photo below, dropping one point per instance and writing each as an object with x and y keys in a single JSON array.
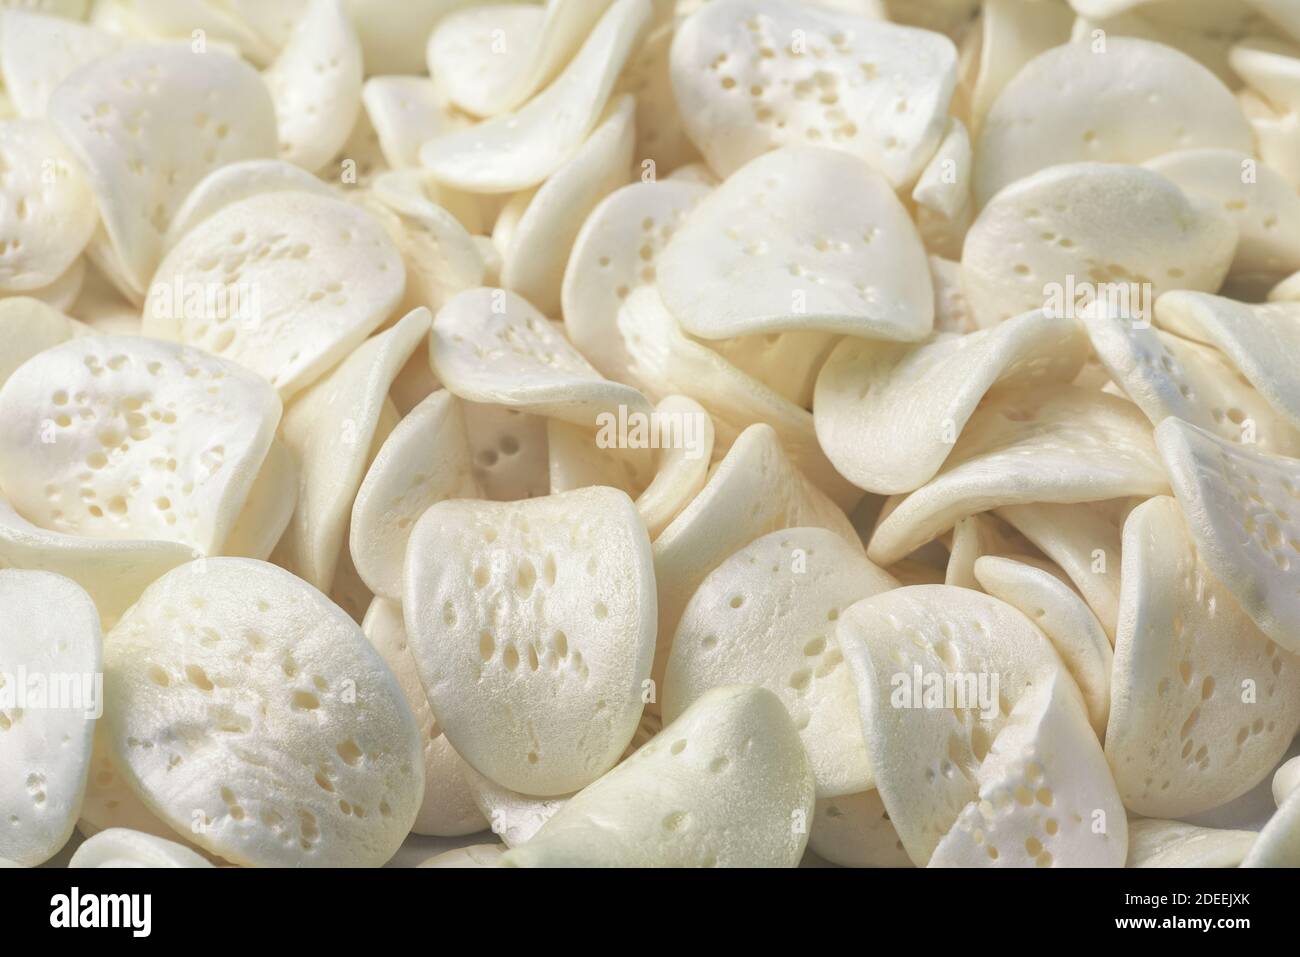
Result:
[
  {"x": 121, "y": 847},
  {"x": 752, "y": 75},
  {"x": 1057, "y": 445},
  {"x": 425, "y": 460},
  {"x": 492, "y": 346},
  {"x": 511, "y": 459},
  {"x": 800, "y": 238},
  {"x": 854, "y": 831},
  {"x": 285, "y": 283},
  {"x": 37, "y": 52},
  {"x": 725, "y": 785},
  {"x": 514, "y": 151},
  {"x": 766, "y": 616},
  {"x": 533, "y": 626},
  {"x": 1113, "y": 100},
  {"x": 49, "y": 646},
  {"x": 888, "y": 414},
  {"x": 47, "y": 210},
  {"x": 160, "y": 109},
  {"x": 1156, "y": 843},
  {"x": 119, "y": 437},
  {"x": 1203, "y": 705},
  {"x": 1243, "y": 511},
  {"x": 241, "y": 698},
  {"x": 1064, "y": 618},
  {"x": 1095, "y": 223}
]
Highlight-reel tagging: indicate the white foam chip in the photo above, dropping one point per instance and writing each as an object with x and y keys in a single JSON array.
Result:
[
  {"x": 616, "y": 251},
  {"x": 1263, "y": 341},
  {"x": 854, "y": 831},
  {"x": 28, "y": 327},
  {"x": 269, "y": 506},
  {"x": 1061, "y": 445},
  {"x": 406, "y": 112},
  {"x": 1239, "y": 504},
  {"x": 1278, "y": 844},
  {"x": 511, "y": 458},
  {"x": 766, "y": 616},
  {"x": 425, "y": 460},
  {"x": 725, "y": 785},
  {"x": 285, "y": 283},
  {"x": 517, "y": 150},
  {"x": 38, "y": 51},
  {"x": 681, "y": 464},
  {"x": 1064, "y": 618},
  {"x": 158, "y": 108},
  {"x": 661, "y": 135},
  {"x": 1156, "y": 843},
  {"x": 331, "y": 428},
  {"x": 252, "y": 714},
  {"x": 315, "y": 84},
  {"x": 121, "y": 847},
  {"x": 47, "y": 210},
  {"x": 888, "y": 414},
  {"x": 50, "y": 697},
  {"x": 448, "y": 809},
  {"x": 1203, "y": 705},
  {"x": 1110, "y": 100},
  {"x": 475, "y": 856},
  {"x": 515, "y": 818},
  {"x": 580, "y": 458},
  {"x": 492, "y": 346},
  {"x": 1012, "y": 32},
  {"x": 237, "y": 181},
  {"x": 799, "y": 238},
  {"x": 1057, "y": 235},
  {"x": 490, "y": 60},
  {"x": 118, "y": 437},
  {"x": 1285, "y": 780},
  {"x": 1166, "y": 375},
  {"x": 751, "y": 75},
  {"x": 974, "y": 537},
  {"x": 535, "y": 258},
  {"x": 533, "y": 627}
]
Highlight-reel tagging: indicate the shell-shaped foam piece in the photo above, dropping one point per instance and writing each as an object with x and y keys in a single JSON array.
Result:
[
  {"x": 51, "y": 696},
  {"x": 252, "y": 714},
  {"x": 119, "y": 437},
  {"x": 799, "y": 238},
  {"x": 533, "y": 627},
  {"x": 766, "y": 616},
  {"x": 121, "y": 847},
  {"x": 753, "y": 75},
  {"x": 725, "y": 785}
]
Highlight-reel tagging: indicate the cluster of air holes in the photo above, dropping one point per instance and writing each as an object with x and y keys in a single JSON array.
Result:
[
  {"x": 36, "y": 788},
  {"x": 1275, "y": 534}
]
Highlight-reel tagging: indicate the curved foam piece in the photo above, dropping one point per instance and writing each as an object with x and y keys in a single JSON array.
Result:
[
  {"x": 47, "y": 210},
  {"x": 1065, "y": 619},
  {"x": 926, "y": 759},
  {"x": 941, "y": 199},
  {"x": 1012, "y": 32},
  {"x": 1167, "y": 375},
  {"x": 448, "y": 809},
  {"x": 535, "y": 259},
  {"x": 1124, "y": 103},
  {"x": 1263, "y": 341},
  {"x": 296, "y": 746},
  {"x": 580, "y": 458},
  {"x": 680, "y": 470},
  {"x": 974, "y": 537},
  {"x": 733, "y": 756},
  {"x": 888, "y": 415},
  {"x": 1057, "y": 229},
  {"x": 121, "y": 847},
  {"x": 476, "y": 855},
  {"x": 754, "y": 490},
  {"x": 799, "y": 238},
  {"x": 1203, "y": 705},
  {"x": 50, "y": 658},
  {"x": 331, "y": 428},
  {"x": 425, "y": 460},
  {"x": 615, "y": 251},
  {"x": 1156, "y": 843},
  {"x": 303, "y": 280},
  {"x": 869, "y": 87},
  {"x": 661, "y": 137},
  {"x": 533, "y": 627},
  {"x": 233, "y": 182},
  {"x": 1028, "y": 447},
  {"x": 1238, "y": 504},
  {"x": 177, "y": 20},
  {"x": 406, "y": 112},
  {"x": 951, "y": 311},
  {"x": 492, "y": 60},
  {"x": 138, "y": 440},
  {"x": 315, "y": 84},
  {"x": 515, "y": 818},
  {"x": 269, "y": 506},
  {"x": 514, "y": 151},
  {"x": 27, "y": 328},
  {"x": 1267, "y": 64},
  {"x": 1047, "y": 753},
  {"x": 854, "y": 831},
  {"x": 1286, "y": 780},
  {"x": 1263, "y": 206},
  {"x": 765, "y": 617},
  {"x": 1278, "y": 844},
  {"x": 665, "y": 361},
  {"x": 149, "y": 95},
  {"x": 511, "y": 459},
  {"x": 492, "y": 346},
  {"x": 38, "y": 52}
]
